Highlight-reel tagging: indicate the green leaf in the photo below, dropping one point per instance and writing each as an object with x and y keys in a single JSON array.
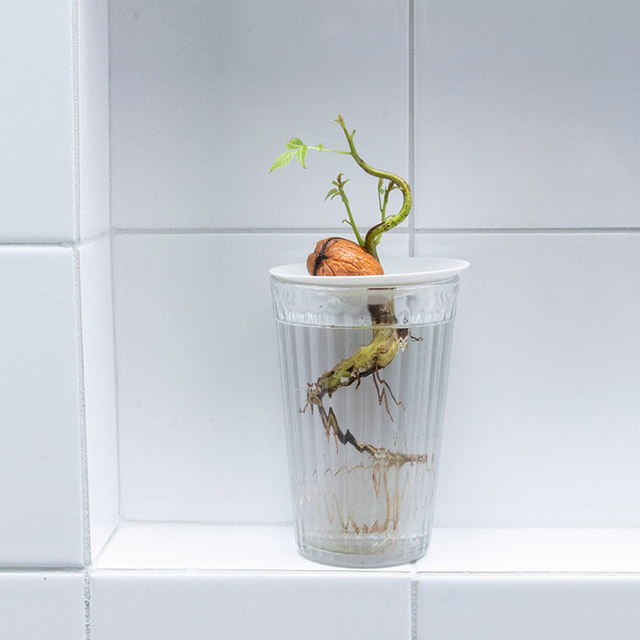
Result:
[
  {"x": 282, "y": 161},
  {"x": 301, "y": 154},
  {"x": 332, "y": 194},
  {"x": 295, "y": 143},
  {"x": 318, "y": 147}
]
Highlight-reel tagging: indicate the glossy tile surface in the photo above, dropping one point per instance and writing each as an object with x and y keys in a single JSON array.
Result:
[
  {"x": 526, "y": 114},
  {"x": 200, "y": 606},
  {"x": 40, "y": 454},
  {"x": 99, "y": 389},
  {"x": 542, "y": 413},
  {"x": 528, "y": 607},
  {"x": 35, "y": 606},
  {"x": 158, "y": 545},
  {"x": 36, "y": 123},
  {"x": 541, "y": 550},
  {"x": 201, "y": 433},
  {"x": 204, "y": 97}
]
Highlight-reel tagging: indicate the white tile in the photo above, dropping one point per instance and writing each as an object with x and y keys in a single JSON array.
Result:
[
  {"x": 205, "y": 96},
  {"x": 528, "y": 607},
  {"x": 99, "y": 389},
  {"x": 286, "y": 606},
  {"x": 93, "y": 53},
  {"x": 542, "y": 410},
  {"x": 539, "y": 550},
  {"x": 201, "y": 431},
  {"x": 35, "y": 606},
  {"x": 40, "y": 473},
  {"x": 158, "y": 545},
  {"x": 526, "y": 114},
  {"x": 36, "y": 125}
]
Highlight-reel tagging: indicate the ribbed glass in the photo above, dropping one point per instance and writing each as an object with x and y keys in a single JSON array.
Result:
[{"x": 364, "y": 377}]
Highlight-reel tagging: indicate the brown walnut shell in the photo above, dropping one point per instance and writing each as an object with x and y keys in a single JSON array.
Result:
[{"x": 341, "y": 257}]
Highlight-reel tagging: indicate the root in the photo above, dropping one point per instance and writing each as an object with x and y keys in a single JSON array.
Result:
[
  {"x": 366, "y": 361},
  {"x": 331, "y": 426},
  {"x": 382, "y": 394}
]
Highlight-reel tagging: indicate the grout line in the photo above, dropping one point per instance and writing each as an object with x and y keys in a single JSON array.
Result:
[
  {"x": 412, "y": 120},
  {"x": 531, "y": 574},
  {"x": 533, "y": 230},
  {"x": 377, "y": 572},
  {"x": 87, "y": 605},
  {"x": 75, "y": 83},
  {"x": 239, "y": 231},
  {"x": 39, "y": 569},
  {"x": 38, "y": 245},
  {"x": 82, "y": 413},
  {"x": 400, "y": 230},
  {"x": 414, "y": 600},
  {"x": 215, "y": 571}
]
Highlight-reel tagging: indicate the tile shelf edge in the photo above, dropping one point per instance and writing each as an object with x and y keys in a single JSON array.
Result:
[{"x": 226, "y": 548}]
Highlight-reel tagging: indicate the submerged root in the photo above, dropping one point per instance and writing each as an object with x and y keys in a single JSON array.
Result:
[{"x": 368, "y": 360}]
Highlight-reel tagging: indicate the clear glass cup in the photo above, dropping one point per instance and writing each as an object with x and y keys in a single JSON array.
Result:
[{"x": 364, "y": 378}]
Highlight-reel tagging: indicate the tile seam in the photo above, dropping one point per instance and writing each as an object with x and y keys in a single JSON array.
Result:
[
  {"x": 75, "y": 84},
  {"x": 411, "y": 132},
  {"x": 82, "y": 413},
  {"x": 364, "y": 572},
  {"x": 116, "y": 383},
  {"x": 87, "y": 603},
  {"x": 100, "y": 553},
  {"x": 239, "y": 231},
  {"x": 112, "y": 232},
  {"x": 62, "y": 569},
  {"x": 38, "y": 245},
  {"x": 413, "y": 600},
  {"x": 95, "y": 570},
  {"x": 530, "y": 230},
  {"x": 400, "y": 231}
]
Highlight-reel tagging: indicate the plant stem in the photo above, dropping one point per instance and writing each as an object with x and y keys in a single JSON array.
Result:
[
  {"x": 345, "y": 201},
  {"x": 346, "y": 153},
  {"x": 373, "y": 235}
]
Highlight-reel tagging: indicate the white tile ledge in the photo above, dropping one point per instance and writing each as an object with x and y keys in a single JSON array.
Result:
[{"x": 151, "y": 546}]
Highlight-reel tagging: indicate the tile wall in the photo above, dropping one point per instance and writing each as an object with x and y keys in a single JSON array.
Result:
[
  {"x": 56, "y": 351},
  {"x": 148, "y": 161},
  {"x": 518, "y": 125}
]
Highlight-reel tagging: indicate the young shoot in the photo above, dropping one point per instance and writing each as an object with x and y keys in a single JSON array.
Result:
[{"x": 387, "y": 182}]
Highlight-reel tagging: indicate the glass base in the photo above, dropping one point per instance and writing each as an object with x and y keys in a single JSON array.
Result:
[{"x": 366, "y": 556}]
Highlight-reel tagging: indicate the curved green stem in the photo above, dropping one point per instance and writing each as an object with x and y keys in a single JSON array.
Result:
[
  {"x": 373, "y": 235},
  {"x": 345, "y": 201}
]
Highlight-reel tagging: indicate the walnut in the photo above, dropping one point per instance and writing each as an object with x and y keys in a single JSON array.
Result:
[{"x": 341, "y": 257}]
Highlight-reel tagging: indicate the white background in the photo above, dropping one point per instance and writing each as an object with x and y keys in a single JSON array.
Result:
[{"x": 138, "y": 374}]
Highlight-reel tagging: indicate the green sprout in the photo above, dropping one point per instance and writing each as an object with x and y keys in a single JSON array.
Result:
[{"x": 387, "y": 182}]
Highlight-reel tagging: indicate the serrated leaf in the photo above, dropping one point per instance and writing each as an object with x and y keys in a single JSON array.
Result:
[
  {"x": 301, "y": 154},
  {"x": 282, "y": 160},
  {"x": 295, "y": 143},
  {"x": 332, "y": 194}
]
